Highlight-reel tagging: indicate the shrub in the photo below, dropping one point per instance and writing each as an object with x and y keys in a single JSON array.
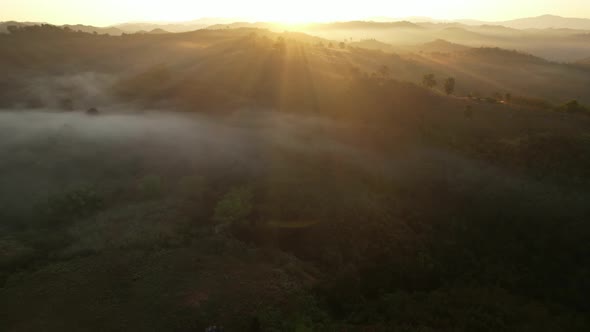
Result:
[
  {"x": 234, "y": 207},
  {"x": 468, "y": 112},
  {"x": 429, "y": 81},
  {"x": 531, "y": 102},
  {"x": 150, "y": 186},
  {"x": 573, "y": 106},
  {"x": 450, "y": 86},
  {"x": 193, "y": 187},
  {"x": 78, "y": 203}
]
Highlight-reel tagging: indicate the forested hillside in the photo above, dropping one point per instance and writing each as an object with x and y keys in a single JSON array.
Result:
[{"x": 271, "y": 181}]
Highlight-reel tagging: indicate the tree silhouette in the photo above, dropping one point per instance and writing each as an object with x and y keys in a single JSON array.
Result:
[
  {"x": 450, "y": 86},
  {"x": 468, "y": 112},
  {"x": 355, "y": 72},
  {"x": 384, "y": 71},
  {"x": 573, "y": 106},
  {"x": 280, "y": 45},
  {"x": 235, "y": 206},
  {"x": 429, "y": 81}
]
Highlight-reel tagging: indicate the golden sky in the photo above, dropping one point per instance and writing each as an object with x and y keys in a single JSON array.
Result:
[{"x": 107, "y": 12}]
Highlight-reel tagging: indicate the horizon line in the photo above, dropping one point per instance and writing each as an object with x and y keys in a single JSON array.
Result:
[{"x": 384, "y": 18}]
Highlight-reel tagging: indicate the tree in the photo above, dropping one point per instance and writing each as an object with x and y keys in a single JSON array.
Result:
[
  {"x": 355, "y": 72},
  {"x": 384, "y": 71},
  {"x": 342, "y": 45},
  {"x": 12, "y": 29},
  {"x": 280, "y": 45},
  {"x": 149, "y": 186},
  {"x": 450, "y": 86},
  {"x": 508, "y": 97},
  {"x": 468, "y": 113},
  {"x": 573, "y": 106},
  {"x": 429, "y": 81},
  {"x": 234, "y": 207}
]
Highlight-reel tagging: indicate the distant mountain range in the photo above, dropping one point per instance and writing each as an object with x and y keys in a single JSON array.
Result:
[
  {"x": 134, "y": 27},
  {"x": 539, "y": 22},
  {"x": 174, "y": 26},
  {"x": 114, "y": 31}
]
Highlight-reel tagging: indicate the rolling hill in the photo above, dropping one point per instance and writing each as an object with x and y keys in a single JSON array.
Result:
[
  {"x": 548, "y": 22},
  {"x": 441, "y": 45},
  {"x": 203, "y": 63},
  {"x": 280, "y": 181},
  {"x": 567, "y": 43}
]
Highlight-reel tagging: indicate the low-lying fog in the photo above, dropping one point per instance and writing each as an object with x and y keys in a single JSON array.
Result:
[
  {"x": 235, "y": 138},
  {"x": 44, "y": 153},
  {"x": 47, "y": 152}
]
